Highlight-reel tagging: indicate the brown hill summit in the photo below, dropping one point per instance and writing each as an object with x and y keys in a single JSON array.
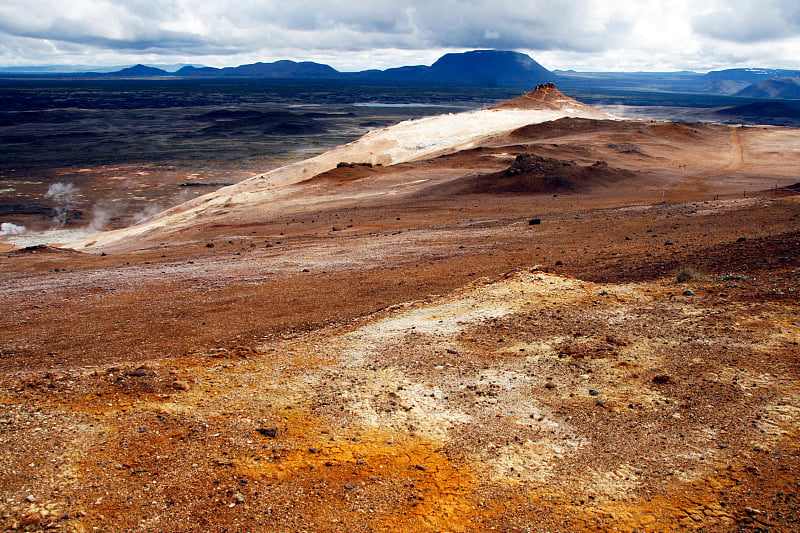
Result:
[{"x": 545, "y": 96}]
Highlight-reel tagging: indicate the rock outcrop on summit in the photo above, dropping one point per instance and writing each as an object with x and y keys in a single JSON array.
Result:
[{"x": 545, "y": 97}]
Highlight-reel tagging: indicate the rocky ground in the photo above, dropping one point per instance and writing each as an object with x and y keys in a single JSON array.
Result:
[{"x": 512, "y": 337}]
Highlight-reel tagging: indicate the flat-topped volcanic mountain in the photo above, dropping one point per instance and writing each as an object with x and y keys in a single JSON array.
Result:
[{"x": 532, "y": 317}]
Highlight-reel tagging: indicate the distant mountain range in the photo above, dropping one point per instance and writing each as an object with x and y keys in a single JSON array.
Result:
[
  {"x": 283, "y": 69},
  {"x": 489, "y": 68},
  {"x": 478, "y": 67},
  {"x": 737, "y": 81}
]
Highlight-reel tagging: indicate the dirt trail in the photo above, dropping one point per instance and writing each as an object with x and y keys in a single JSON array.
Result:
[
  {"x": 540, "y": 99},
  {"x": 695, "y": 184}
]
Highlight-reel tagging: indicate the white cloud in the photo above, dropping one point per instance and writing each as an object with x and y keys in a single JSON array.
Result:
[
  {"x": 9, "y": 228},
  {"x": 750, "y": 21},
  {"x": 354, "y": 34}
]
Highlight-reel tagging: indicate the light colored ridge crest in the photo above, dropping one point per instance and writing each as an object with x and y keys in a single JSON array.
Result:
[{"x": 406, "y": 141}]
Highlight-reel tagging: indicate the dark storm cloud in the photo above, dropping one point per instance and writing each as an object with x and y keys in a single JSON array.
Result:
[
  {"x": 66, "y": 31},
  {"x": 232, "y": 27},
  {"x": 540, "y": 25},
  {"x": 571, "y": 26},
  {"x": 750, "y": 21},
  {"x": 100, "y": 25}
]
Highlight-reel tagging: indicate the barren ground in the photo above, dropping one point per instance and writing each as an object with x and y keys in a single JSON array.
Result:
[{"x": 402, "y": 348}]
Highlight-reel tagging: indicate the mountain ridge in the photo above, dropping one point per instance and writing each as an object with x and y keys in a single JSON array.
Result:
[
  {"x": 478, "y": 68},
  {"x": 489, "y": 68},
  {"x": 139, "y": 70},
  {"x": 783, "y": 88}
]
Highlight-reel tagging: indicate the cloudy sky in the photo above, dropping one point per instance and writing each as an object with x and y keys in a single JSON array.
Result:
[{"x": 600, "y": 35}]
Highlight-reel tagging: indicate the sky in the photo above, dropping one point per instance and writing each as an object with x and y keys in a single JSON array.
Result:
[{"x": 584, "y": 35}]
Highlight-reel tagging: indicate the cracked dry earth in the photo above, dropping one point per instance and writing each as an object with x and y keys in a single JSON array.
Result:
[{"x": 528, "y": 402}]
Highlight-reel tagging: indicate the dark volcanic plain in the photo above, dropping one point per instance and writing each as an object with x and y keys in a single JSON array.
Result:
[
  {"x": 135, "y": 147},
  {"x": 580, "y": 325}
]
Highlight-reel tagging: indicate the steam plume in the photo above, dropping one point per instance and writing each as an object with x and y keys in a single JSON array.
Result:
[
  {"x": 7, "y": 228},
  {"x": 64, "y": 198}
]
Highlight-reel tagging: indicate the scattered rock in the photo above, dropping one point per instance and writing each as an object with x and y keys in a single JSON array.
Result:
[
  {"x": 30, "y": 498},
  {"x": 271, "y": 433},
  {"x": 668, "y": 243},
  {"x": 549, "y": 385},
  {"x": 616, "y": 341},
  {"x": 594, "y": 392},
  {"x": 349, "y": 486},
  {"x": 534, "y": 221},
  {"x": 238, "y": 497},
  {"x": 139, "y": 372},
  {"x": 181, "y": 384},
  {"x": 243, "y": 351},
  {"x": 662, "y": 379},
  {"x": 210, "y": 245},
  {"x": 688, "y": 292}
]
